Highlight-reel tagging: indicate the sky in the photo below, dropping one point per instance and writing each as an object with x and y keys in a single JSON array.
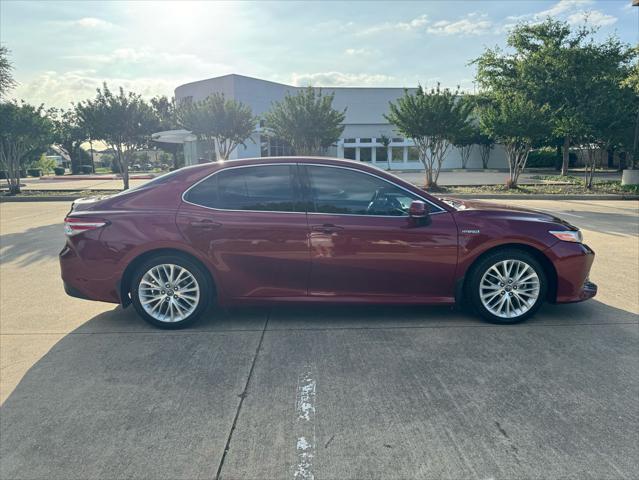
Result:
[{"x": 63, "y": 51}]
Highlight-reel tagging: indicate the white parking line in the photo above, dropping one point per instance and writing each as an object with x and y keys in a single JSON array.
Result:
[
  {"x": 569, "y": 214},
  {"x": 305, "y": 425}
]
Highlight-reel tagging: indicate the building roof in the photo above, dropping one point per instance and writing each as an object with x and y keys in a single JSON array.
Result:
[{"x": 364, "y": 105}]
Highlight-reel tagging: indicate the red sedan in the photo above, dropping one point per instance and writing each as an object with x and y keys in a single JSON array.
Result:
[{"x": 314, "y": 230}]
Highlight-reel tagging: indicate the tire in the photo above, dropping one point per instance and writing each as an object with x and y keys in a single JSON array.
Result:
[
  {"x": 174, "y": 308},
  {"x": 490, "y": 278}
]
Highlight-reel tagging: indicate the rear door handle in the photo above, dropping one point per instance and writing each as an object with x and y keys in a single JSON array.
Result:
[
  {"x": 326, "y": 228},
  {"x": 205, "y": 224}
]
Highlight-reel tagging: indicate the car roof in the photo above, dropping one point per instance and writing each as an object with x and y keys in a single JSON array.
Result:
[{"x": 212, "y": 166}]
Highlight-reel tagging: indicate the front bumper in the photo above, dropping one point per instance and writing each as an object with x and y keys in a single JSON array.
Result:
[{"x": 572, "y": 262}]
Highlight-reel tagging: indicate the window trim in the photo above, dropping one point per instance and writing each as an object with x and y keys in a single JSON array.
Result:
[
  {"x": 304, "y": 187},
  {"x": 296, "y": 177}
]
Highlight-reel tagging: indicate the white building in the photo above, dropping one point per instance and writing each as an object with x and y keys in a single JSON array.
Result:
[{"x": 363, "y": 126}]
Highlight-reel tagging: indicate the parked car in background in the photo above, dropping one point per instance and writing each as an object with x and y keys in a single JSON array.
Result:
[{"x": 269, "y": 230}]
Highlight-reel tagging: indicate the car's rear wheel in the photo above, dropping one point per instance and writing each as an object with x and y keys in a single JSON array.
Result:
[
  {"x": 507, "y": 286},
  {"x": 170, "y": 291}
]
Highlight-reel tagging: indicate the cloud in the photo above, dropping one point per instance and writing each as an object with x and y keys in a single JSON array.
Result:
[
  {"x": 563, "y": 6},
  {"x": 472, "y": 24},
  {"x": 358, "y": 52},
  {"x": 339, "y": 79},
  {"x": 59, "y": 89},
  {"x": 571, "y": 11},
  {"x": 91, "y": 22},
  {"x": 129, "y": 61},
  {"x": 416, "y": 23},
  {"x": 593, "y": 17}
]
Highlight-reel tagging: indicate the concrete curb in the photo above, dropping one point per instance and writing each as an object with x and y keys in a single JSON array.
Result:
[
  {"x": 64, "y": 178},
  {"x": 52, "y": 198},
  {"x": 70, "y": 198}
]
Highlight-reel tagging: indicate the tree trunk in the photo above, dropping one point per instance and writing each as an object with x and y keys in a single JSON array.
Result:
[
  {"x": 124, "y": 167},
  {"x": 175, "y": 159},
  {"x": 92, "y": 159},
  {"x": 566, "y": 157}
]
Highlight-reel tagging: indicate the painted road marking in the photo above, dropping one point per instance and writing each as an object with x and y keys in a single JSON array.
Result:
[{"x": 305, "y": 425}]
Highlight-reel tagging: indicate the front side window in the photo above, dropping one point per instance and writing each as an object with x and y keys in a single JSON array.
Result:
[
  {"x": 262, "y": 188},
  {"x": 343, "y": 191}
]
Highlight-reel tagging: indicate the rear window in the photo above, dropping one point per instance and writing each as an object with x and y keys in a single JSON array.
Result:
[{"x": 260, "y": 187}]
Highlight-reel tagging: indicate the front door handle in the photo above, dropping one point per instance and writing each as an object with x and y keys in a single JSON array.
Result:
[
  {"x": 205, "y": 224},
  {"x": 326, "y": 228}
]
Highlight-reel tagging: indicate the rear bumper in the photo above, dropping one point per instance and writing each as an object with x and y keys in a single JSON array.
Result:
[
  {"x": 74, "y": 292},
  {"x": 88, "y": 280}
]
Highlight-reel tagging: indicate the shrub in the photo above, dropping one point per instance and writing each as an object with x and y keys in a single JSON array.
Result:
[
  {"x": 23, "y": 173},
  {"x": 3, "y": 174},
  {"x": 86, "y": 169},
  {"x": 115, "y": 166},
  {"x": 46, "y": 164},
  {"x": 34, "y": 172},
  {"x": 59, "y": 171},
  {"x": 548, "y": 158},
  {"x": 543, "y": 158}
]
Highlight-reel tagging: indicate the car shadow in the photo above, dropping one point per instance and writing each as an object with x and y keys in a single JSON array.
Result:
[
  {"x": 118, "y": 398},
  {"x": 31, "y": 245}
]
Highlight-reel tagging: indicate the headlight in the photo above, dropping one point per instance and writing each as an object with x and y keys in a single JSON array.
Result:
[{"x": 574, "y": 236}]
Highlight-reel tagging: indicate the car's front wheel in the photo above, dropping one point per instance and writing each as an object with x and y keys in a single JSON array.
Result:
[
  {"x": 507, "y": 286},
  {"x": 170, "y": 291}
]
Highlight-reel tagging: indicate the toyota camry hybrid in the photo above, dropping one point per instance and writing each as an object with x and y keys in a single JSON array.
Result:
[{"x": 291, "y": 229}]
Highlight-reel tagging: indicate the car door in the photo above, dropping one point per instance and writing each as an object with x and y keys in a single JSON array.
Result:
[
  {"x": 250, "y": 223},
  {"x": 363, "y": 243}
]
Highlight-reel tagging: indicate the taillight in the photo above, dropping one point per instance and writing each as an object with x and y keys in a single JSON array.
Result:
[{"x": 75, "y": 225}]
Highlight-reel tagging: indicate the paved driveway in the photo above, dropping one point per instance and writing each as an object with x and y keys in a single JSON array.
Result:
[{"x": 90, "y": 391}]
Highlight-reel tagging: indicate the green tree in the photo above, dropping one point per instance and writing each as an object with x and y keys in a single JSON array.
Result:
[
  {"x": 70, "y": 135},
  {"x": 518, "y": 124},
  {"x": 464, "y": 141},
  {"x": 385, "y": 141},
  {"x": 431, "y": 119},
  {"x": 222, "y": 123},
  {"x": 551, "y": 64},
  {"x": 307, "y": 121},
  {"x": 486, "y": 144},
  {"x": 166, "y": 111},
  {"x": 630, "y": 137},
  {"x": 124, "y": 121},
  {"x": 46, "y": 164},
  {"x": 6, "y": 72},
  {"x": 25, "y": 131}
]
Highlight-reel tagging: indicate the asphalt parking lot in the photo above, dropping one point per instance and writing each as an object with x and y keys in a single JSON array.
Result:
[{"x": 90, "y": 391}]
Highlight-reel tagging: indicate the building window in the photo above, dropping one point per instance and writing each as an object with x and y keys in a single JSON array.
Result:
[
  {"x": 365, "y": 140},
  {"x": 397, "y": 154},
  {"x": 350, "y": 140},
  {"x": 413, "y": 154},
  {"x": 381, "y": 154},
  {"x": 274, "y": 147},
  {"x": 349, "y": 153},
  {"x": 398, "y": 140},
  {"x": 365, "y": 154}
]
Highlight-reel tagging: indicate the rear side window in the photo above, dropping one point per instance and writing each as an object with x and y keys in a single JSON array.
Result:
[{"x": 262, "y": 188}]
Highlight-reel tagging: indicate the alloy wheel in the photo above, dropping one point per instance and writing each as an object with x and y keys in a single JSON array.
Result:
[
  {"x": 169, "y": 293},
  {"x": 509, "y": 288}
]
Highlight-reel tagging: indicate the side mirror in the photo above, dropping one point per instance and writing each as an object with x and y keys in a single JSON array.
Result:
[
  {"x": 417, "y": 209},
  {"x": 418, "y": 215}
]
